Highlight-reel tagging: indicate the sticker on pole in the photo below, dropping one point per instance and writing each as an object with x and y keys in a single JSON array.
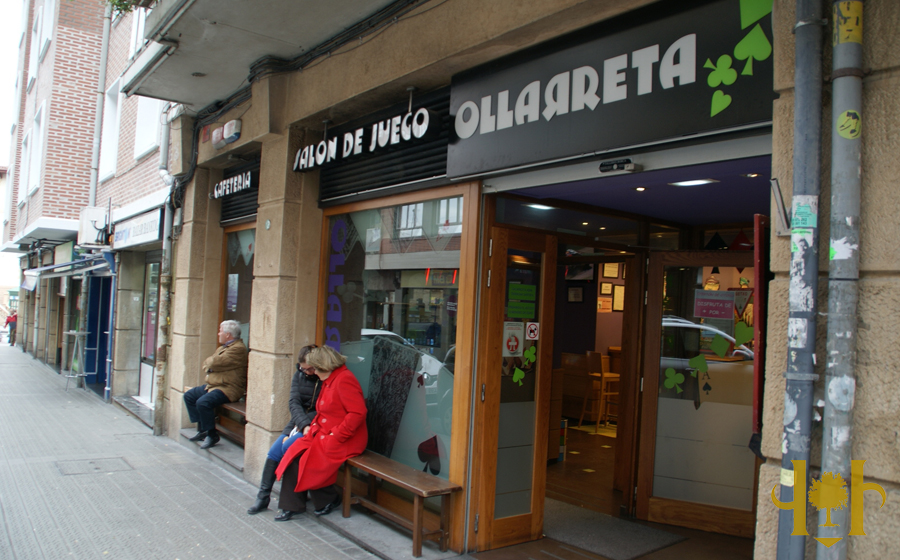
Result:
[
  {"x": 513, "y": 338},
  {"x": 532, "y": 331}
]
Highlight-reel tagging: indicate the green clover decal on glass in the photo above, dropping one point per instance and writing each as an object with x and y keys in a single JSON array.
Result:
[
  {"x": 518, "y": 376},
  {"x": 530, "y": 356},
  {"x": 722, "y": 72},
  {"x": 673, "y": 379}
]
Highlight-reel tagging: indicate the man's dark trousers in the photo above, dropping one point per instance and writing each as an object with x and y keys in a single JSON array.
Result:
[{"x": 201, "y": 406}]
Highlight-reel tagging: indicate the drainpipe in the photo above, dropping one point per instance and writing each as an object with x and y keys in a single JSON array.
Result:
[
  {"x": 804, "y": 277},
  {"x": 165, "y": 282},
  {"x": 843, "y": 265},
  {"x": 114, "y": 261},
  {"x": 98, "y": 117}
]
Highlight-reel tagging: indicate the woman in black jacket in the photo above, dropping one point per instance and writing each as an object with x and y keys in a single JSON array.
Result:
[{"x": 305, "y": 389}]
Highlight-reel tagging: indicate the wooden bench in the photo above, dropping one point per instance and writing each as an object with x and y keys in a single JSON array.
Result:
[
  {"x": 231, "y": 419},
  {"x": 422, "y": 485}
]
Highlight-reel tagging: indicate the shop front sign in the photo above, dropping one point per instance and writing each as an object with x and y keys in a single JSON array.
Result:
[
  {"x": 146, "y": 228},
  {"x": 640, "y": 79},
  {"x": 235, "y": 184},
  {"x": 392, "y": 131}
]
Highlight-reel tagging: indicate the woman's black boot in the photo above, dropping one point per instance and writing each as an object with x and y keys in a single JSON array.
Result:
[{"x": 265, "y": 488}]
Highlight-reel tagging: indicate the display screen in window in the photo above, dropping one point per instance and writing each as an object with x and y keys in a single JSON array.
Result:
[
  {"x": 240, "y": 246},
  {"x": 391, "y": 308},
  {"x": 151, "y": 312}
]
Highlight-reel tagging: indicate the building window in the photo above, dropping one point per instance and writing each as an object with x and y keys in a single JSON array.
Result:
[
  {"x": 138, "y": 18},
  {"x": 151, "y": 311},
  {"x": 47, "y": 27},
  {"x": 34, "y": 51},
  {"x": 240, "y": 246},
  {"x": 109, "y": 140},
  {"x": 26, "y": 167},
  {"x": 37, "y": 149},
  {"x": 391, "y": 296},
  {"x": 146, "y": 129},
  {"x": 10, "y": 182}
]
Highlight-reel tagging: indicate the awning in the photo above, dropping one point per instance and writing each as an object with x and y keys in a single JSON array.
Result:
[{"x": 97, "y": 265}]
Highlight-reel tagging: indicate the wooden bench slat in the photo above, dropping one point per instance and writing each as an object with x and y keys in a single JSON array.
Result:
[{"x": 406, "y": 477}]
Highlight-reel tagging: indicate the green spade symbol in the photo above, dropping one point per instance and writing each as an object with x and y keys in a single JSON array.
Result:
[
  {"x": 722, "y": 72},
  {"x": 674, "y": 379},
  {"x": 698, "y": 363},
  {"x": 754, "y": 46},
  {"x": 518, "y": 376}
]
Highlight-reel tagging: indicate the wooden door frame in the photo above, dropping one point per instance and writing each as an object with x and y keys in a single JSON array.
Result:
[
  {"x": 494, "y": 533},
  {"x": 663, "y": 510}
]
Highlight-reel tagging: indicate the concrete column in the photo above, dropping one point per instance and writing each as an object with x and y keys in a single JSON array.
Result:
[
  {"x": 129, "y": 320},
  {"x": 285, "y": 288},
  {"x": 196, "y": 282}
]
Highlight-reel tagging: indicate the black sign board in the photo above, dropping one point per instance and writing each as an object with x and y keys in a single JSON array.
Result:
[{"x": 657, "y": 74}]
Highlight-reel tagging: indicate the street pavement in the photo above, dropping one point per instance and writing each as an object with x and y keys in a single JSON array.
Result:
[{"x": 80, "y": 478}]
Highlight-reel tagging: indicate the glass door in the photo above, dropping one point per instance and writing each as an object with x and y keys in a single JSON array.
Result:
[
  {"x": 696, "y": 468},
  {"x": 513, "y": 377}
]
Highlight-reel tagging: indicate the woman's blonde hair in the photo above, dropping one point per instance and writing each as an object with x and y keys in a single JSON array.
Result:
[{"x": 325, "y": 358}]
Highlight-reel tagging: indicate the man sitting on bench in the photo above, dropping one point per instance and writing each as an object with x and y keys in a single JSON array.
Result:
[{"x": 226, "y": 381}]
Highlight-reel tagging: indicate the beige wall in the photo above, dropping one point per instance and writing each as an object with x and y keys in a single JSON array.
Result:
[{"x": 877, "y": 409}]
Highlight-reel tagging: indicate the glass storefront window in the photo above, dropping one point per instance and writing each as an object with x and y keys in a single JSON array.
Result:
[
  {"x": 240, "y": 247},
  {"x": 151, "y": 310},
  {"x": 391, "y": 302}
]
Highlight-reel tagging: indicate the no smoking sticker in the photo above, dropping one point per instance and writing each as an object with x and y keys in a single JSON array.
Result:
[{"x": 532, "y": 331}]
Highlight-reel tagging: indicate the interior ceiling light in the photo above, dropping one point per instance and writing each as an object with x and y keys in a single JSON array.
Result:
[
  {"x": 640, "y": 189},
  {"x": 750, "y": 175},
  {"x": 584, "y": 223},
  {"x": 540, "y": 207},
  {"x": 694, "y": 183},
  {"x": 602, "y": 227}
]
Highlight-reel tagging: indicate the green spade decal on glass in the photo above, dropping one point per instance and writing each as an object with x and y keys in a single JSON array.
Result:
[
  {"x": 754, "y": 46},
  {"x": 722, "y": 72},
  {"x": 753, "y": 10},
  {"x": 742, "y": 333},
  {"x": 673, "y": 379},
  {"x": 518, "y": 376},
  {"x": 698, "y": 363},
  {"x": 720, "y": 345}
]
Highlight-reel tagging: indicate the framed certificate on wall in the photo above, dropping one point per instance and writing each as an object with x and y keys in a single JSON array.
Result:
[{"x": 610, "y": 270}]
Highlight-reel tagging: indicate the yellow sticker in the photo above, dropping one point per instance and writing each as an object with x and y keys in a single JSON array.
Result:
[
  {"x": 849, "y": 125},
  {"x": 848, "y": 22},
  {"x": 589, "y": 470},
  {"x": 787, "y": 478}
]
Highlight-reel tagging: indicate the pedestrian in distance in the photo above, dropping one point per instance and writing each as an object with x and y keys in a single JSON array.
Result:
[
  {"x": 226, "y": 381},
  {"x": 305, "y": 388},
  {"x": 11, "y": 321},
  {"x": 337, "y": 433}
]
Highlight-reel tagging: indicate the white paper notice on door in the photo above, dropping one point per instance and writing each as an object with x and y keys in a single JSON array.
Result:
[{"x": 513, "y": 338}]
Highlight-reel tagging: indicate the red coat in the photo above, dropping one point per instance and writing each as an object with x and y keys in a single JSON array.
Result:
[{"x": 337, "y": 433}]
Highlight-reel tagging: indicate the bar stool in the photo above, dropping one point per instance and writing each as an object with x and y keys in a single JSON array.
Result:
[{"x": 598, "y": 370}]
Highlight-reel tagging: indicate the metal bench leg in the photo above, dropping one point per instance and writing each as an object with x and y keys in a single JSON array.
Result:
[
  {"x": 418, "y": 509},
  {"x": 348, "y": 483}
]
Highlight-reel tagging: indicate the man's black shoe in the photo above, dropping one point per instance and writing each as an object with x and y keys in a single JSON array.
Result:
[
  {"x": 199, "y": 436},
  {"x": 330, "y": 507},
  {"x": 286, "y": 515},
  {"x": 210, "y": 440}
]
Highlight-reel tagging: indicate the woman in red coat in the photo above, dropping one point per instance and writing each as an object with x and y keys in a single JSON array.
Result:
[{"x": 337, "y": 433}]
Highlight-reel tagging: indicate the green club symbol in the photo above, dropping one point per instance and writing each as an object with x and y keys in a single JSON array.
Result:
[
  {"x": 530, "y": 356},
  {"x": 722, "y": 72},
  {"x": 673, "y": 379},
  {"x": 518, "y": 376},
  {"x": 754, "y": 46}
]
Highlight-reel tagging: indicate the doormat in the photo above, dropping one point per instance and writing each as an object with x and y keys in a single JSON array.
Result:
[
  {"x": 607, "y": 431},
  {"x": 611, "y": 537}
]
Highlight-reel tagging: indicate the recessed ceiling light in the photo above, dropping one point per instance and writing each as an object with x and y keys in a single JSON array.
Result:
[
  {"x": 693, "y": 183},
  {"x": 584, "y": 223},
  {"x": 602, "y": 227},
  {"x": 640, "y": 189},
  {"x": 540, "y": 207},
  {"x": 750, "y": 175}
]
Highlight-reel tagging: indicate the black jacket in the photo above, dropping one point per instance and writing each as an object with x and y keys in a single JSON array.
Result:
[{"x": 304, "y": 392}]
